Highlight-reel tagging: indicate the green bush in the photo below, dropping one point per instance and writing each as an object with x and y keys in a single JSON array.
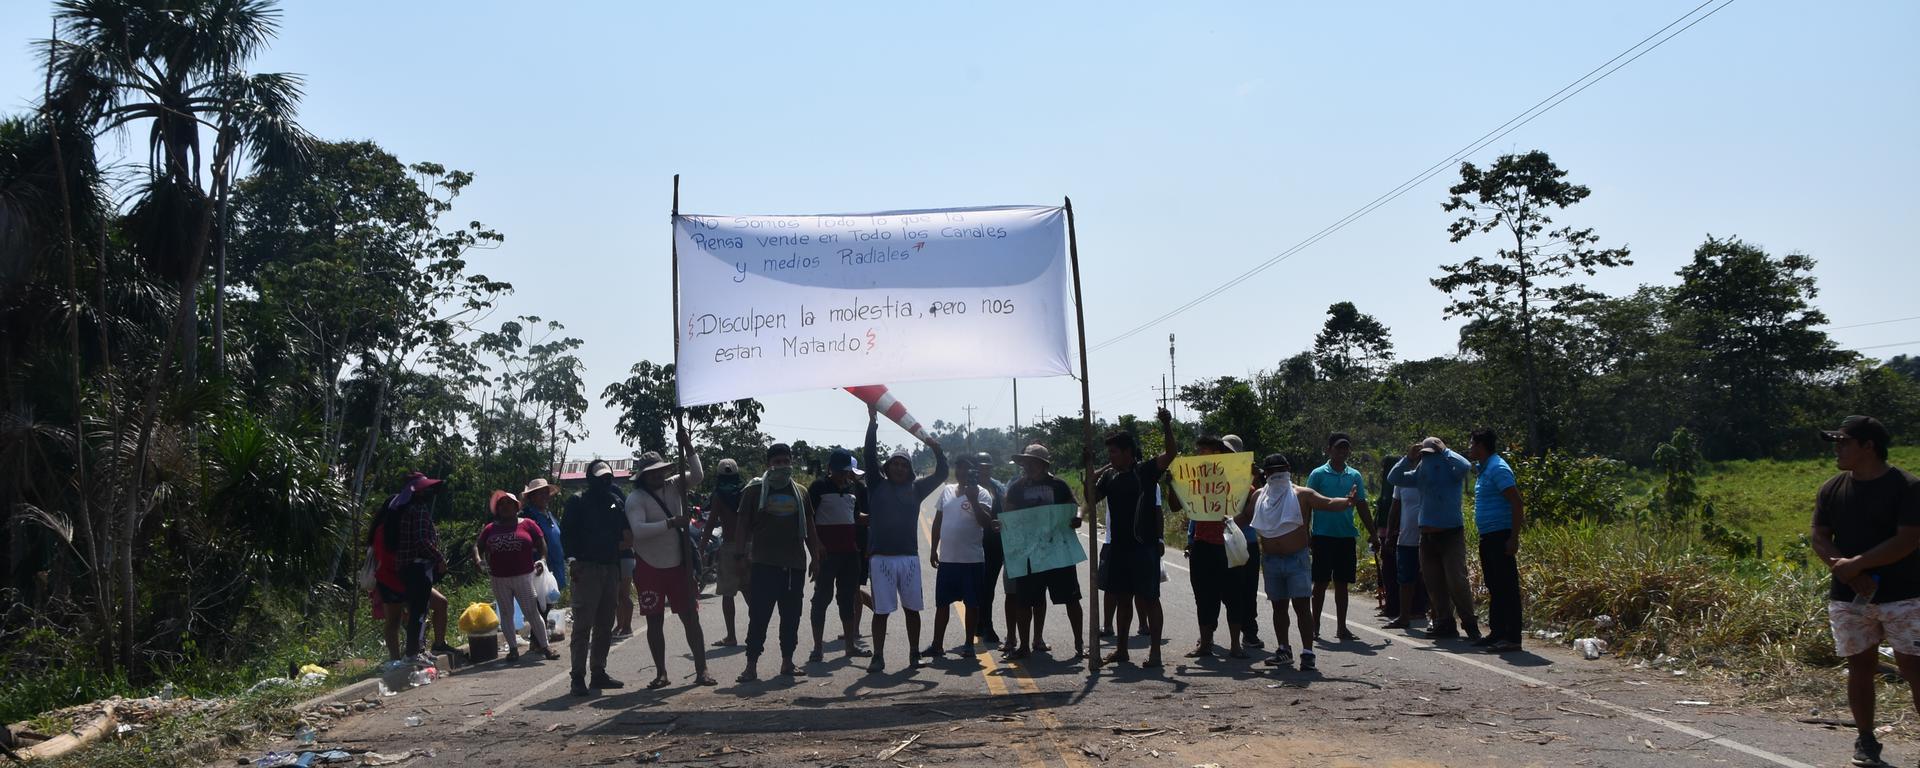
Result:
[{"x": 1562, "y": 488}]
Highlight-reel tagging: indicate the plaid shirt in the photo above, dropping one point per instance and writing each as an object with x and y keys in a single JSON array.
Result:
[{"x": 418, "y": 540}]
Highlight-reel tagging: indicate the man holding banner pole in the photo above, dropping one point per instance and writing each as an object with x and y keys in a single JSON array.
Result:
[{"x": 893, "y": 511}]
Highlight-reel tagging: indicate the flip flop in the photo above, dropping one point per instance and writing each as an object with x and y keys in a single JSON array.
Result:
[
  {"x": 704, "y": 679},
  {"x": 1117, "y": 658}
]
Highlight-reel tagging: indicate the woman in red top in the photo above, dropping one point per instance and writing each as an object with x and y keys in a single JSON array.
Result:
[{"x": 511, "y": 545}]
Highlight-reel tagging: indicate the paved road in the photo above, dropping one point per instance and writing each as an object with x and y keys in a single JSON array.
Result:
[{"x": 1387, "y": 699}]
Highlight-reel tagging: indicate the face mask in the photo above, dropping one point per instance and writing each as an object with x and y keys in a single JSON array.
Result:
[
  {"x": 729, "y": 484},
  {"x": 1279, "y": 480},
  {"x": 779, "y": 474}
]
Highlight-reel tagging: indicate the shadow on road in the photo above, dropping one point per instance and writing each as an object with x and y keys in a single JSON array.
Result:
[{"x": 891, "y": 709}]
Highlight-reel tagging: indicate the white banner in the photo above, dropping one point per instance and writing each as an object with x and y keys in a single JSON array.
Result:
[{"x": 772, "y": 304}]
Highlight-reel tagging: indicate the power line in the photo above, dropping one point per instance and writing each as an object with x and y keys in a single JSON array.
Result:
[
  {"x": 1876, "y": 322},
  {"x": 1884, "y": 346},
  {"x": 1512, "y": 124}
]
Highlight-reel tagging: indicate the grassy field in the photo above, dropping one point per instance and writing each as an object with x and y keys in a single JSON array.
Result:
[{"x": 1774, "y": 499}]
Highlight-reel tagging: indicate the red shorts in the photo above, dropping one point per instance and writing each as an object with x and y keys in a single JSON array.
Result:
[{"x": 658, "y": 589}]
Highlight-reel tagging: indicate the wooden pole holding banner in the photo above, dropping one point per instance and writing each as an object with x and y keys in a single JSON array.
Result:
[
  {"x": 1086, "y": 457},
  {"x": 687, "y": 554}
]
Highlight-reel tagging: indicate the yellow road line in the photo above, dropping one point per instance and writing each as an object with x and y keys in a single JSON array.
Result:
[{"x": 996, "y": 685}]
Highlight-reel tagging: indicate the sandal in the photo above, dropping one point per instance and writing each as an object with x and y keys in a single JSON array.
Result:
[
  {"x": 1117, "y": 657},
  {"x": 701, "y": 678},
  {"x": 659, "y": 682}
]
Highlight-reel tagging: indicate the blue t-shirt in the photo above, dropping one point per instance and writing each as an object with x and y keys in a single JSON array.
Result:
[
  {"x": 1491, "y": 510},
  {"x": 1336, "y": 484}
]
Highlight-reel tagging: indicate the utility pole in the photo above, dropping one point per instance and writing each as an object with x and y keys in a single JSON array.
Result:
[
  {"x": 1173, "y": 372},
  {"x": 970, "y": 409},
  {"x": 1164, "y": 390},
  {"x": 1016, "y": 416}
]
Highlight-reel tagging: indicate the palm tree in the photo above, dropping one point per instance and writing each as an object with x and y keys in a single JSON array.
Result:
[{"x": 174, "y": 66}]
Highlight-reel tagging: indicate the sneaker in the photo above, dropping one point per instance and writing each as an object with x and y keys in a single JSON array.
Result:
[
  {"x": 990, "y": 637},
  {"x": 817, "y": 657},
  {"x": 1473, "y": 631},
  {"x": 858, "y": 650},
  {"x": 513, "y": 655},
  {"x": 1504, "y": 646},
  {"x": 1866, "y": 752},
  {"x": 1283, "y": 657},
  {"x": 1306, "y": 662},
  {"x": 1251, "y": 641},
  {"x": 1442, "y": 633},
  {"x": 580, "y": 688},
  {"x": 603, "y": 682},
  {"x": 1484, "y": 641}
]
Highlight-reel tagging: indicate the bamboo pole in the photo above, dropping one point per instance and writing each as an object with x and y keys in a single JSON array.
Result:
[{"x": 1086, "y": 455}]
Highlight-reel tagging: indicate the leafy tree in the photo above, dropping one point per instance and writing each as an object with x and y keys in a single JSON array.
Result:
[
  {"x": 1517, "y": 284},
  {"x": 1751, "y": 319},
  {"x": 1351, "y": 343},
  {"x": 1905, "y": 365},
  {"x": 647, "y": 401},
  {"x": 1207, "y": 395}
]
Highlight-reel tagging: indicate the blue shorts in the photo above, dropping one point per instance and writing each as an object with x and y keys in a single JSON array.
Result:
[
  {"x": 1288, "y": 576},
  {"x": 1406, "y": 564},
  {"x": 960, "y": 583}
]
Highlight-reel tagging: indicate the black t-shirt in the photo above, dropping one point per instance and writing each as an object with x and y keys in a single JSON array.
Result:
[
  {"x": 1025, "y": 494},
  {"x": 1130, "y": 503},
  {"x": 1862, "y": 514},
  {"x": 594, "y": 521}
]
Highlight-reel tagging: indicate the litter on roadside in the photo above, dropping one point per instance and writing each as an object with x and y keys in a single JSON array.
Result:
[{"x": 1590, "y": 647}]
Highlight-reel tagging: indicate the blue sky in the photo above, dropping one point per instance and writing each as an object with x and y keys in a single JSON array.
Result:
[{"x": 1195, "y": 139}]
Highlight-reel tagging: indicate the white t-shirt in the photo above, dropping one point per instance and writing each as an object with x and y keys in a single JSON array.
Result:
[
  {"x": 1409, "y": 497},
  {"x": 962, "y": 540}
]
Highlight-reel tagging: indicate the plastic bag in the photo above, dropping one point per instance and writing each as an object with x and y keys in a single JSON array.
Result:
[
  {"x": 546, "y": 589},
  {"x": 479, "y": 619},
  {"x": 1236, "y": 545},
  {"x": 367, "y": 577}
]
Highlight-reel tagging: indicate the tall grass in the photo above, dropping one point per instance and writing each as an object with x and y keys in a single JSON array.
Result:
[{"x": 1670, "y": 591}]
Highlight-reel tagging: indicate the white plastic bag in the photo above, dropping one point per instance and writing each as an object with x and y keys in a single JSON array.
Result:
[
  {"x": 546, "y": 589},
  {"x": 367, "y": 577},
  {"x": 1236, "y": 545}
]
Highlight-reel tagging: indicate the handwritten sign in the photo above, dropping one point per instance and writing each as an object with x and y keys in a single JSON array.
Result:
[
  {"x": 1212, "y": 487},
  {"x": 1039, "y": 539},
  {"x": 772, "y": 304}
]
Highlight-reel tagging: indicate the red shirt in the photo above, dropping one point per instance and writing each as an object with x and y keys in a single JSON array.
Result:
[
  {"x": 1210, "y": 531},
  {"x": 510, "y": 550}
]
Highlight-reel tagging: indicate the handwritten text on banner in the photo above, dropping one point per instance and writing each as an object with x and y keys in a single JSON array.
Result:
[
  {"x": 772, "y": 304},
  {"x": 1212, "y": 487}
]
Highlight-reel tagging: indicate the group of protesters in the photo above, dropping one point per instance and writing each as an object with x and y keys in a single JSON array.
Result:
[
  {"x": 854, "y": 536},
  {"x": 852, "y": 540}
]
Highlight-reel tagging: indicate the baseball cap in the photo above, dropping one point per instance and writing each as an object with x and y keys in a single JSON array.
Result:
[
  {"x": 1276, "y": 462},
  {"x": 779, "y": 449},
  {"x": 842, "y": 460},
  {"x": 1234, "y": 444},
  {"x": 729, "y": 467},
  {"x": 1338, "y": 438},
  {"x": 1860, "y": 428}
]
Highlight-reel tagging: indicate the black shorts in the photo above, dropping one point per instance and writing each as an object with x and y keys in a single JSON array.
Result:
[
  {"x": 1061, "y": 585},
  {"x": 1132, "y": 570},
  {"x": 1335, "y": 558}
]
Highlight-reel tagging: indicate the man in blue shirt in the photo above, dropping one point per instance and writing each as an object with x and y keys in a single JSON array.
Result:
[
  {"x": 1498, "y": 512},
  {"x": 1335, "y": 541},
  {"x": 1440, "y": 474}
]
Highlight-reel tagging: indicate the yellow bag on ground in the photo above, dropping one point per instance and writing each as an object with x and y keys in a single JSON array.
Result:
[{"x": 479, "y": 619}]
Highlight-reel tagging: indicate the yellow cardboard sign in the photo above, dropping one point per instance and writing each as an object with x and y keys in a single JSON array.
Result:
[{"x": 1212, "y": 487}]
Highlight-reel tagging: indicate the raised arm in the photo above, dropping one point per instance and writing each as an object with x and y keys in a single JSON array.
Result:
[
  {"x": 1165, "y": 458},
  {"x": 925, "y": 486},
  {"x": 695, "y": 474},
  {"x": 870, "y": 454},
  {"x": 1456, "y": 464}
]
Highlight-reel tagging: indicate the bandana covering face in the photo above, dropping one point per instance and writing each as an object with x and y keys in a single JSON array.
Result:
[{"x": 778, "y": 475}]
